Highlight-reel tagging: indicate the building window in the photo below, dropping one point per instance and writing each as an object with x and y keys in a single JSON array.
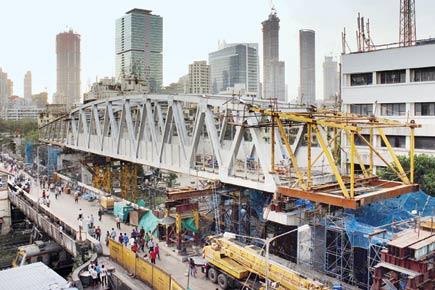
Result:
[
  {"x": 425, "y": 109},
  {"x": 361, "y": 109},
  {"x": 361, "y": 79},
  {"x": 425, "y": 143},
  {"x": 398, "y": 109},
  {"x": 423, "y": 74},
  {"x": 395, "y": 141},
  {"x": 391, "y": 76},
  {"x": 359, "y": 141}
]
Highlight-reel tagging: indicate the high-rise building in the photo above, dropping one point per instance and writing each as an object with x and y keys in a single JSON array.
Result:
[
  {"x": 199, "y": 78},
  {"x": 68, "y": 68},
  {"x": 10, "y": 87},
  {"x": 234, "y": 65},
  {"x": 139, "y": 46},
  {"x": 28, "y": 86},
  {"x": 307, "y": 71},
  {"x": 330, "y": 79},
  {"x": 6, "y": 88},
  {"x": 273, "y": 68}
]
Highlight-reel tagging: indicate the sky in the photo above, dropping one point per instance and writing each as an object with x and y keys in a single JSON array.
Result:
[{"x": 191, "y": 29}]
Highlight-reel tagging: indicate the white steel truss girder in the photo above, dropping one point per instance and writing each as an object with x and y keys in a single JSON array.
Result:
[{"x": 211, "y": 137}]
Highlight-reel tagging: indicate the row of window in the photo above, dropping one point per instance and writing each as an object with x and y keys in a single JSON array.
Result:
[
  {"x": 421, "y": 142},
  {"x": 394, "y": 109},
  {"x": 393, "y": 76}
]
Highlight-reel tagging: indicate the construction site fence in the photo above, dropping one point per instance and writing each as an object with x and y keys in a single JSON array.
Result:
[{"x": 143, "y": 270}]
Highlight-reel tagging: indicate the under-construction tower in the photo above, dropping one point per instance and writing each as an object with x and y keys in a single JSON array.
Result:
[{"x": 407, "y": 32}]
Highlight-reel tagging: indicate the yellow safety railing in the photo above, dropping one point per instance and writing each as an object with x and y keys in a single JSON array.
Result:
[{"x": 143, "y": 270}]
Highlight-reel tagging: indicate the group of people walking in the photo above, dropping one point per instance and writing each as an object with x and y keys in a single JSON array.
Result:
[
  {"x": 138, "y": 241},
  {"x": 98, "y": 274}
]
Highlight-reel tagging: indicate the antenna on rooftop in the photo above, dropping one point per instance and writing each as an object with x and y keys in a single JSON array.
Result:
[{"x": 407, "y": 33}]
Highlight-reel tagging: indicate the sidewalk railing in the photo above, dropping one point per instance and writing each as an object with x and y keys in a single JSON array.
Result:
[
  {"x": 143, "y": 270},
  {"x": 43, "y": 222}
]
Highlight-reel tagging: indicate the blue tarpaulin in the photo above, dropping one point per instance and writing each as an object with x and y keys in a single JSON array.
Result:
[
  {"x": 359, "y": 223},
  {"x": 29, "y": 153},
  {"x": 52, "y": 154}
]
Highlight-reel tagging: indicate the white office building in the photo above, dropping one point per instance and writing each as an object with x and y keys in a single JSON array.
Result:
[{"x": 395, "y": 83}]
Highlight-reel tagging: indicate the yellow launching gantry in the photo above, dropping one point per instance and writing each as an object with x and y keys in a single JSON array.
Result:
[{"x": 355, "y": 188}]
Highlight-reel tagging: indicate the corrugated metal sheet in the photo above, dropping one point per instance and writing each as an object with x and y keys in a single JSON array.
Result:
[{"x": 35, "y": 276}]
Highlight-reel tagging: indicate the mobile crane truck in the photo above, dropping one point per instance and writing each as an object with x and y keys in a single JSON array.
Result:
[{"x": 232, "y": 264}]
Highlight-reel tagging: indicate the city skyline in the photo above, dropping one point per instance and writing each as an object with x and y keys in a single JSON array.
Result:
[{"x": 98, "y": 36}]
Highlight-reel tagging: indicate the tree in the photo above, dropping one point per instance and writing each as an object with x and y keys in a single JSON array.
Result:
[{"x": 424, "y": 172}]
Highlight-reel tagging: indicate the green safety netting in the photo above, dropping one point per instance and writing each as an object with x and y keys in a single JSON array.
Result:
[
  {"x": 149, "y": 223},
  {"x": 189, "y": 224},
  {"x": 121, "y": 210}
]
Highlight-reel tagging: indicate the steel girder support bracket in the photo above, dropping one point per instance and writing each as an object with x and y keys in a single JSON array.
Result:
[
  {"x": 331, "y": 161},
  {"x": 393, "y": 155}
]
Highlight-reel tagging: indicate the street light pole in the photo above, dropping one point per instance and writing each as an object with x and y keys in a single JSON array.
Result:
[{"x": 268, "y": 241}]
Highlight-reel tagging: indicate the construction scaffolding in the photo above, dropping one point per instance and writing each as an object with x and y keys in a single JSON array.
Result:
[
  {"x": 354, "y": 240},
  {"x": 339, "y": 254},
  {"x": 128, "y": 180}
]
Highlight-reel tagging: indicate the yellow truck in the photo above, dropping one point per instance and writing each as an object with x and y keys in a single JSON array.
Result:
[{"x": 233, "y": 264}]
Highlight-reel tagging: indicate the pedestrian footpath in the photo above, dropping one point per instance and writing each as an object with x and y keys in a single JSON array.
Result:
[{"x": 83, "y": 213}]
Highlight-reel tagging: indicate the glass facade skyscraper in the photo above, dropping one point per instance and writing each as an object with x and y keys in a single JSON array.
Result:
[
  {"x": 139, "y": 46},
  {"x": 234, "y": 65}
]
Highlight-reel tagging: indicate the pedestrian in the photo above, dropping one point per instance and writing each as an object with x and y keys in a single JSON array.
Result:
[
  {"x": 192, "y": 268},
  {"x": 76, "y": 197},
  {"x": 157, "y": 250},
  {"x": 98, "y": 269},
  {"x": 121, "y": 238},
  {"x": 147, "y": 239},
  {"x": 151, "y": 245},
  {"x": 94, "y": 276},
  {"x": 91, "y": 221},
  {"x": 153, "y": 257},
  {"x": 56, "y": 193},
  {"x": 80, "y": 228},
  {"x": 43, "y": 194},
  {"x": 125, "y": 238},
  {"x": 103, "y": 276},
  {"x": 100, "y": 214},
  {"x": 47, "y": 201},
  {"x": 113, "y": 234},
  {"x": 98, "y": 233},
  {"x": 118, "y": 223},
  {"x": 107, "y": 238},
  {"x": 135, "y": 247},
  {"x": 142, "y": 244}
]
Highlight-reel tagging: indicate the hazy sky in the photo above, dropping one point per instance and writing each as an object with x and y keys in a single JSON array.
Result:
[{"x": 191, "y": 29}]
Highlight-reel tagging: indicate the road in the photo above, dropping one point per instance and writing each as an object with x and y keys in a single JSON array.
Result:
[{"x": 66, "y": 209}]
